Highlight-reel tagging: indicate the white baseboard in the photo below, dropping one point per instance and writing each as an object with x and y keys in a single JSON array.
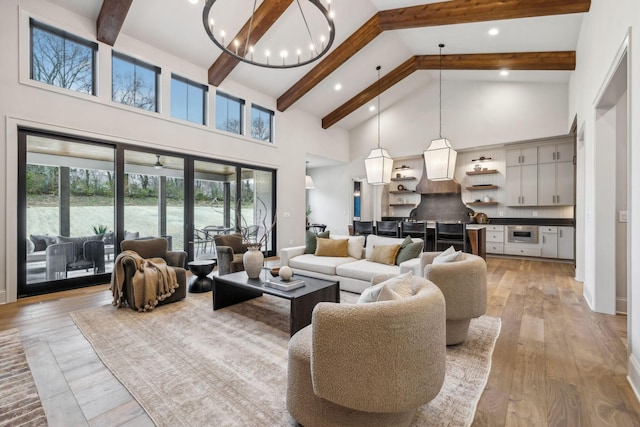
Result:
[
  {"x": 588, "y": 298},
  {"x": 621, "y": 306},
  {"x": 3, "y": 297},
  {"x": 634, "y": 375}
]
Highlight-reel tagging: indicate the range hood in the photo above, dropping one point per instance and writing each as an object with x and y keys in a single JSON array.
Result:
[{"x": 437, "y": 187}]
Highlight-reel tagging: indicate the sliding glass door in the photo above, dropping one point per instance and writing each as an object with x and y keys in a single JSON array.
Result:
[{"x": 79, "y": 199}]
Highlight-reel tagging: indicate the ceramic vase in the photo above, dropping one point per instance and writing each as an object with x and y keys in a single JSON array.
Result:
[{"x": 253, "y": 260}]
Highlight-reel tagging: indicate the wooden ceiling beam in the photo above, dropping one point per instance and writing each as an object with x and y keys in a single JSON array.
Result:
[
  {"x": 388, "y": 80},
  {"x": 110, "y": 20},
  {"x": 434, "y": 14},
  {"x": 363, "y": 36},
  {"x": 266, "y": 15},
  {"x": 533, "y": 61},
  {"x": 465, "y": 11}
]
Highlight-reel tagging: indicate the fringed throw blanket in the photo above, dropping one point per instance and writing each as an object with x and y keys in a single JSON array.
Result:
[{"x": 152, "y": 282}]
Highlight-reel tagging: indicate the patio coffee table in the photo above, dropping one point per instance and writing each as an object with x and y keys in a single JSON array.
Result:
[{"x": 234, "y": 288}]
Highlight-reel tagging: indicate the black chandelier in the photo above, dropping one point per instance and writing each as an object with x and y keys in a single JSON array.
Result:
[{"x": 242, "y": 46}]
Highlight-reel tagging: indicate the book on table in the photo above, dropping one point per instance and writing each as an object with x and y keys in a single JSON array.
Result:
[{"x": 284, "y": 285}]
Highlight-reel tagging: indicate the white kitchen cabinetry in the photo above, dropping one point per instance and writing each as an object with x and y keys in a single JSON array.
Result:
[
  {"x": 522, "y": 185},
  {"x": 522, "y": 156},
  {"x": 549, "y": 242},
  {"x": 495, "y": 239},
  {"x": 555, "y": 184},
  {"x": 565, "y": 242},
  {"x": 556, "y": 153}
]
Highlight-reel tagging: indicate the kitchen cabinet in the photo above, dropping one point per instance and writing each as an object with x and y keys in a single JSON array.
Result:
[
  {"x": 549, "y": 242},
  {"x": 566, "y": 242},
  {"x": 495, "y": 239},
  {"x": 556, "y": 153},
  {"x": 522, "y": 185},
  {"x": 556, "y": 184},
  {"x": 522, "y": 156}
]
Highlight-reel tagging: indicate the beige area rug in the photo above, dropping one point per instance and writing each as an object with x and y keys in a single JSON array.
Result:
[
  {"x": 19, "y": 401},
  {"x": 190, "y": 366}
]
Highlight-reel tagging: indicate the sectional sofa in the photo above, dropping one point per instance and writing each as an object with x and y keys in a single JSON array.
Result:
[{"x": 354, "y": 271}]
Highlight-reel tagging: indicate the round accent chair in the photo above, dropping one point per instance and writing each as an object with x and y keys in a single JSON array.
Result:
[{"x": 368, "y": 364}]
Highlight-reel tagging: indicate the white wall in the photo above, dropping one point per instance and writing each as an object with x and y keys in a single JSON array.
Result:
[
  {"x": 27, "y": 103},
  {"x": 602, "y": 36}
]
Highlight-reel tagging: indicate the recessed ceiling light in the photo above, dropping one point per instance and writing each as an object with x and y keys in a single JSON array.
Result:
[
  {"x": 372, "y": 108},
  {"x": 338, "y": 86},
  {"x": 504, "y": 73},
  {"x": 193, "y": 1},
  {"x": 494, "y": 32}
]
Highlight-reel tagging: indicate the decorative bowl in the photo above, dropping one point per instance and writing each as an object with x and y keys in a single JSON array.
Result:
[{"x": 275, "y": 271}]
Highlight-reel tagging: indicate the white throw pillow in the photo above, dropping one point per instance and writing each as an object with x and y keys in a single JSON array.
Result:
[
  {"x": 450, "y": 255},
  {"x": 388, "y": 294},
  {"x": 372, "y": 293}
]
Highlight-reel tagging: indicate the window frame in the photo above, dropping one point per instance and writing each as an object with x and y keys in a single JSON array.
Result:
[
  {"x": 138, "y": 63},
  {"x": 271, "y": 115},
  {"x": 66, "y": 36},
  {"x": 205, "y": 92},
  {"x": 241, "y": 105}
]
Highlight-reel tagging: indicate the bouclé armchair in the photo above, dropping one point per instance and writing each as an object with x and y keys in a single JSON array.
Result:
[
  {"x": 368, "y": 364},
  {"x": 464, "y": 285}
]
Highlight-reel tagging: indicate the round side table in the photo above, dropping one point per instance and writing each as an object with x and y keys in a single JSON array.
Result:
[{"x": 201, "y": 283}]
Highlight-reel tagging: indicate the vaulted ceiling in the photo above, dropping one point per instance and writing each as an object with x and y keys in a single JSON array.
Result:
[{"x": 536, "y": 43}]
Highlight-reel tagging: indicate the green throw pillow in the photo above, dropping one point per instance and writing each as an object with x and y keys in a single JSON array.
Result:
[
  {"x": 311, "y": 241},
  {"x": 409, "y": 251}
]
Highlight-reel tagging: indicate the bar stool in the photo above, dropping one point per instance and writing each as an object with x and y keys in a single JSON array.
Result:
[
  {"x": 387, "y": 228},
  {"x": 451, "y": 234}
]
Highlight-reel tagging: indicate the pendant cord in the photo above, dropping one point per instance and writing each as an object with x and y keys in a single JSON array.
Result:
[
  {"x": 304, "y": 18},
  {"x": 440, "y": 95},
  {"x": 378, "y": 68}
]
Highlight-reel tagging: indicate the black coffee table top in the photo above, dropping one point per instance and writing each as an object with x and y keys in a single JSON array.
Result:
[{"x": 241, "y": 279}]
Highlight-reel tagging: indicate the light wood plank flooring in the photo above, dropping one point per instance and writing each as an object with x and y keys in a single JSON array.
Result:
[{"x": 556, "y": 363}]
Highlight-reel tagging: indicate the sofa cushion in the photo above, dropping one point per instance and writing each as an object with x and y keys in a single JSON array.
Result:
[
  {"x": 385, "y": 254},
  {"x": 373, "y": 240},
  {"x": 40, "y": 242},
  {"x": 354, "y": 246},
  {"x": 311, "y": 241},
  {"x": 450, "y": 255},
  {"x": 372, "y": 293},
  {"x": 365, "y": 270},
  {"x": 325, "y": 265},
  {"x": 332, "y": 248},
  {"x": 409, "y": 250}
]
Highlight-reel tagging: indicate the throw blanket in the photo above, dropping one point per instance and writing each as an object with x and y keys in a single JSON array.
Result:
[{"x": 153, "y": 281}]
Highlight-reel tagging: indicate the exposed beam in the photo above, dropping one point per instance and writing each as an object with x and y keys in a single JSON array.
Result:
[
  {"x": 363, "y": 35},
  {"x": 434, "y": 14},
  {"x": 534, "y": 61},
  {"x": 390, "y": 79},
  {"x": 266, "y": 15},
  {"x": 465, "y": 11},
  {"x": 110, "y": 20}
]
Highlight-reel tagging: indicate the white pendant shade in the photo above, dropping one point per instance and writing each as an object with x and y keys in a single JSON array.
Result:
[
  {"x": 308, "y": 182},
  {"x": 378, "y": 166},
  {"x": 440, "y": 160}
]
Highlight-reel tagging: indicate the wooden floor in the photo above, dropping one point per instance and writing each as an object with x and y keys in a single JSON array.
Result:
[{"x": 556, "y": 363}]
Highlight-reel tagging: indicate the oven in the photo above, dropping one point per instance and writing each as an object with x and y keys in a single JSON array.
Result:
[{"x": 522, "y": 234}]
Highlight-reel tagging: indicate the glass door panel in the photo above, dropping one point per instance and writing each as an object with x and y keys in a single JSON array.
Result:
[
  {"x": 69, "y": 211},
  {"x": 214, "y": 205},
  {"x": 154, "y": 197},
  {"x": 257, "y": 202}
]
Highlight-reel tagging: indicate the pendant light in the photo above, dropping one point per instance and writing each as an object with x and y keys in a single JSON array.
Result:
[
  {"x": 440, "y": 157},
  {"x": 379, "y": 164},
  {"x": 308, "y": 181}
]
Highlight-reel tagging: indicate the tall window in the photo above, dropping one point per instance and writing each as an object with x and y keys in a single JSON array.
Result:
[
  {"x": 188, "y": 100},
  {"x": 61, "y": 59},
  {"x": 134, "y": 82},
  {"x": 229, "y": 113},
  {"x": 261, "y": 123}
]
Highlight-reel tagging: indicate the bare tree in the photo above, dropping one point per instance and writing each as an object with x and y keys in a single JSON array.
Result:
[
  {"x": 260, "y": 129},
  {"x": 61, "y": 62}
]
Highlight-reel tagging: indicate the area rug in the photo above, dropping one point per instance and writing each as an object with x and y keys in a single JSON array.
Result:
[
  {"x": 19, "y": 401},
  {"x": 190, "y": 366}
]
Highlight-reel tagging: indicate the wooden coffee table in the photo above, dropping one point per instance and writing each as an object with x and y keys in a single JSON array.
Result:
[{"x": 234, "y": 288}]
